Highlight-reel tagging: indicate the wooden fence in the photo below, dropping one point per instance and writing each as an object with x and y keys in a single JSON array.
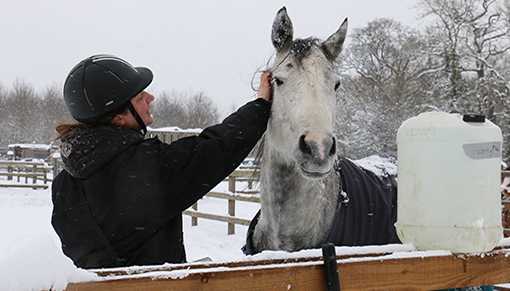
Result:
[
  {"x": 34, "y": 170},
  {"x": 249, "y": 175},
  {"x": 171, "y": 134},
  {"x": 363, "y": 268},
  {"x": 506, "y": 204}
]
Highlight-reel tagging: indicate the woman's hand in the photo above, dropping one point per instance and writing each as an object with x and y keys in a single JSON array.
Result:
[{"x": 264, "y": 91}]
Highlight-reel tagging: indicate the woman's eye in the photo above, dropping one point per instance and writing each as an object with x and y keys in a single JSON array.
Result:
[
  {"x": 337, "y": 85},
  {"x": 278, "y": 81}
]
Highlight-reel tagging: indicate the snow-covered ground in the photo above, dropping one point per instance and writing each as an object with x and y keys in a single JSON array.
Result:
[{"x": 30, "y": 255}]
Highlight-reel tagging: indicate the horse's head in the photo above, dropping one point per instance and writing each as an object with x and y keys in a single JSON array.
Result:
[{"x": 305, "y": 81}]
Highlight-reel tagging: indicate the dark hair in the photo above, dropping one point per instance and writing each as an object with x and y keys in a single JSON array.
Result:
[{"x": 66, "y": 127}]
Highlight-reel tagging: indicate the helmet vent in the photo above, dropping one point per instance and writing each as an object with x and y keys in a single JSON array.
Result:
[
  {"x": 87, "y": 98},
  {"x": 85, "y": 65},
  {"x": 114, "y": 75}
]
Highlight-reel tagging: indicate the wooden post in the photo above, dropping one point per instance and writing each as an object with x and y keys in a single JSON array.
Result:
[
  {"x": 34, "y": 177},
  {"x": 56, "y": 167},
  {"x": 231, "y": 203},
  {"x": 194, "y": 219},
  {"x": 10, "y": 169}
]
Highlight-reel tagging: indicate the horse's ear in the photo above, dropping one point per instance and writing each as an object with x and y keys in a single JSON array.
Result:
[
  {"x": 335, "y": 42},
  {"x": 283, "y": 32}
]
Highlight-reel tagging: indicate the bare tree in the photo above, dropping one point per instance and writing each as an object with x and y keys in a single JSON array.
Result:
[
  {"x": 186, "y": 109},
  {"x": 168, "y": 110},
  {"x": 53, "y": 110},
  {"x": 3, "y": 114},
  {"x": 472, "y": 37},
  {"x": 24, "y": 118},
  {"x": 201, "y": 111},
  {"x": 388, "y": 69}
]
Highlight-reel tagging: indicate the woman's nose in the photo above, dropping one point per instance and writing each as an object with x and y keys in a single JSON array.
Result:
[{"x": 150, "y": 97}]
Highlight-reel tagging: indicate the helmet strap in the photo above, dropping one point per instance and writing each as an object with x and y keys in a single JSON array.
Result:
[{"x": 137, "y": 117}]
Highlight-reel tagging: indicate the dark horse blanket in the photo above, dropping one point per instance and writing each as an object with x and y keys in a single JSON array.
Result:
[{"x": 369, "y": 216}]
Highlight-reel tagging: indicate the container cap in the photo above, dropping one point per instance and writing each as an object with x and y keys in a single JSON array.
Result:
[{"x": 473, "y": 118}]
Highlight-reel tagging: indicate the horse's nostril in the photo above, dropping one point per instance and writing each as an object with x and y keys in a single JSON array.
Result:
[
  {"x": 332, "y": 151},
  {"x": 304, "y": 147}
]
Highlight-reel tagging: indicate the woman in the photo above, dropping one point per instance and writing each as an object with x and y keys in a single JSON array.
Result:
[{"x": 119, "y": 199}]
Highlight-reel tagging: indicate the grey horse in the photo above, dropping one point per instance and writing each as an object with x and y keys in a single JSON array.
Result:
[{"x": 309, "y": 195}]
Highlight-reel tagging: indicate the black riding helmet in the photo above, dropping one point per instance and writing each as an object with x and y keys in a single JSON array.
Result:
[{"x": 102, "y": 83}]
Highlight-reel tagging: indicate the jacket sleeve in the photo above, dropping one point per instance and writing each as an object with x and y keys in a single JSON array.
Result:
[{"x": 191, "y": 167}]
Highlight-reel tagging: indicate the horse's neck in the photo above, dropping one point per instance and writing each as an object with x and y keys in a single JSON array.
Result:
[{"x": 292, "y": 204}]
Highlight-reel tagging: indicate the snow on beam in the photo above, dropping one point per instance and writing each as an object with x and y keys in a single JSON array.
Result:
[{"x": 365, "y": 270}]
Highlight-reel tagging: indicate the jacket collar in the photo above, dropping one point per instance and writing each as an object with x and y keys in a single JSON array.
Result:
[{"x": 86, "y": 151}]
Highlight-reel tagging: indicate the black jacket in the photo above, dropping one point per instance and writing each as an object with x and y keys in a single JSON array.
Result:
[{"x": 136, "y": 189}]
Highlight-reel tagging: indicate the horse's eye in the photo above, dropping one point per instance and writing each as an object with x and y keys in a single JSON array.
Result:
[
  {"x": 278, "y": 81},
  {"x": 337, "y": 85}
]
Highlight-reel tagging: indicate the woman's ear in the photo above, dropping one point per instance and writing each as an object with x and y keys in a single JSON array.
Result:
[{"x": 119, "y": 120}]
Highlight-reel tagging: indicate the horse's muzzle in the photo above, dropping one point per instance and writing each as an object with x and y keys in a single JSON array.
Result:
[{"x": 316, "y": 158}]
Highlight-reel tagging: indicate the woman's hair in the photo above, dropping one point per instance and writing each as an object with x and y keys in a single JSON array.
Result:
[{"x": 65, "y": 127}]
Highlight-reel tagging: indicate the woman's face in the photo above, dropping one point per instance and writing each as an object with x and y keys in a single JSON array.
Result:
[{"x": 141, "y": 103}]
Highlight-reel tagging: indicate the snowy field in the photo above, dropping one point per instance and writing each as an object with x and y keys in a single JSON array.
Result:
[
  {"x": 31, "y": 258},
  {"x": 30, "y": 255}
]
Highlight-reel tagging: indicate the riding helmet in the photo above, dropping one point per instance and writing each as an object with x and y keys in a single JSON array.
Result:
[{"x": 99, "y": 84}]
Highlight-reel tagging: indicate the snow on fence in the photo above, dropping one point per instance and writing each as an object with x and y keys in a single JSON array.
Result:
[
  {"x": 36, "y": 170},
  {"x": 173, "y": 133},
  {"x": 389, "y": 267}
]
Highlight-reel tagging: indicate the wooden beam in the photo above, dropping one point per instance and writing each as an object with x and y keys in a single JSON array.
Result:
[
  {"x": 34, "y": 186},
  {"x": 237, "y": 197},
  {"x": 229, "y": 219},
  {"x": 409, "y": 271},
  {"x": 23, "y": 174},
  {"x": 245, "y": 173}
]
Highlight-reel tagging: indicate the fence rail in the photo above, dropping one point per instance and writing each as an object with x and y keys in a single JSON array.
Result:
[
  {"x": 250, "y": 174},
  {"x": 246, "y": 174},
  {"x": 361, "y": 268},
  {"x": 35, "y": 170}
]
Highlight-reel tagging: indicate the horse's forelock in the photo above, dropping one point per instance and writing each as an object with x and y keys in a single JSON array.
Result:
[{"x": 303, "y": 47}]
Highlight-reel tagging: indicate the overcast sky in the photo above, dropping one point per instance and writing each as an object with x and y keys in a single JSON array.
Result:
[{"x": 213, "y": 46}]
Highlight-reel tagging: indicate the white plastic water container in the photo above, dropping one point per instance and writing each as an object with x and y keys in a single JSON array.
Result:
[{"x": 449, "y": 183}]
